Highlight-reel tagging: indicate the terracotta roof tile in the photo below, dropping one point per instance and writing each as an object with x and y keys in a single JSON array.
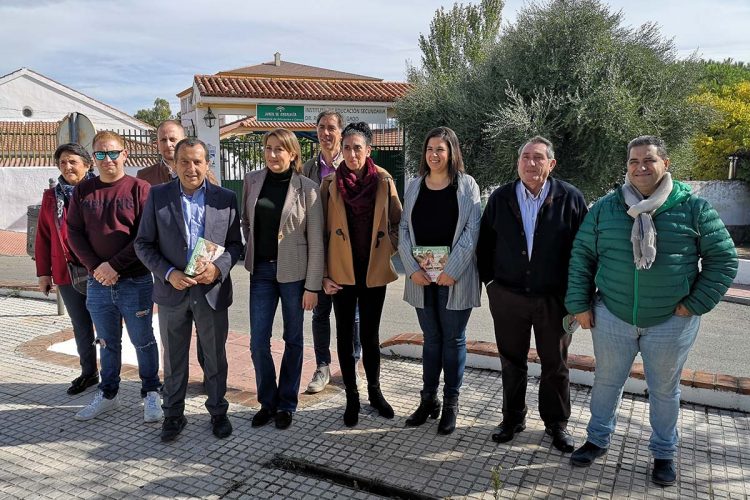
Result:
[
  {"x": 294, "y": 70},
  {"x": 33, "y": 144},
  {"x": 318, "y": 90}
]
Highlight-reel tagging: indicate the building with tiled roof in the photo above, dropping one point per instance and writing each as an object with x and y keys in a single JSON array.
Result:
[{"x": 257, "y": 98}]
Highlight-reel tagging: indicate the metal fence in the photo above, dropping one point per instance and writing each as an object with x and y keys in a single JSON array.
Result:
[
  {"x": 239, "y": 156},
  {"x": 34, "y": 144}
]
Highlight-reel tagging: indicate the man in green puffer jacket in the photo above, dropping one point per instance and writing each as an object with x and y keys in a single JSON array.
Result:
[{"x": 635, "y": 281}]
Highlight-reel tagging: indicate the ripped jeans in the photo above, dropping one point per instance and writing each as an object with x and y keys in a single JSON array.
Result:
[{"x": 129, "y": 299}]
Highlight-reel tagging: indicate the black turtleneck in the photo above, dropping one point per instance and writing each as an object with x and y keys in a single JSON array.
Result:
[{"x": 268, "y": 214}]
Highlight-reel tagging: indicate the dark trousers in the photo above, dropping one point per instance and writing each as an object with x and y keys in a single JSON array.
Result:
[
  {"x": 176, "y": 328},
  {"x": 321, "y": 331},
  {"x": 83, "y": 328},
  {"x": 514, "y": 315},
  {"x": 370, "y": 302}
]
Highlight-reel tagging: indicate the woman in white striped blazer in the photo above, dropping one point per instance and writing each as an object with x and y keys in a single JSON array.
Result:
[{"x": 441, "y": 209}]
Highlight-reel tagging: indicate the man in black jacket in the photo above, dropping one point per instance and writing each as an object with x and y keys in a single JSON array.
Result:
[{"x": 525, "y": 241}]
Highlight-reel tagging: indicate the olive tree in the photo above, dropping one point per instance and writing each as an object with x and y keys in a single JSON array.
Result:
[{"x": 571, "y": 71}]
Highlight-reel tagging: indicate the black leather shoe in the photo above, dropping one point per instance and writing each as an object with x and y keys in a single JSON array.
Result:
[
  {"x": 263, "y": 417},
  {"x": 561, "y": 439},
  {"x": 378, "y": 402},
  {"x": 80, "y": 384},
  {"x": 664, "y": 473},
  {"x": 172, "y": 427},
  {"x": 586, "y": 454},
  {"x": 506, "y": 431},
  {"x": 283, "y": 419},
  {"x": 221, "y": 426},
  {"x": 428, "y": 407}
]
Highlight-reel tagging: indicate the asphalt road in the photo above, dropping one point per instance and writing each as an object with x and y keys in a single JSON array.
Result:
[{"x": 723, "y": 343}]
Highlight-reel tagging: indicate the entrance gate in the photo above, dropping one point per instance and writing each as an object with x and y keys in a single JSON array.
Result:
[{"x": 237, "y": 157}]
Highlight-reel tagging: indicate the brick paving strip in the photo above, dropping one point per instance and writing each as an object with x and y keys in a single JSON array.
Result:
[{"x": 44, "y": 453}]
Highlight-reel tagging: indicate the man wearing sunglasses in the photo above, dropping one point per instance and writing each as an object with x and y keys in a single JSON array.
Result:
[{"x": 103, "y": 221}]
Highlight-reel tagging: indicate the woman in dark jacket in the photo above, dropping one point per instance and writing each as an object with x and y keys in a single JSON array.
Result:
[
  {"x": 441, "y": 217},
  {"x": 362, "y": 216},
  {"x": 52, "y": 255}
]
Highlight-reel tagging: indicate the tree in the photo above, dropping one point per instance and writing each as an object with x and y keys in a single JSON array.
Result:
[
  {"x": 716, "y": 75},
  {"x": 458, "y": 39},
  {"x": 568, "y": 70},
  {"x": 154, "y": 116},
  {"x": 726, "y": 134}
]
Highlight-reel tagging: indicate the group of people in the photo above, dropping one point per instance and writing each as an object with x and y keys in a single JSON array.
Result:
[{"x": 638, "y": 267}]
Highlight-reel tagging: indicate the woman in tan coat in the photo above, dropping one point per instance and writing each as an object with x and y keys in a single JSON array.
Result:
[{"x": 362, "y": 212}]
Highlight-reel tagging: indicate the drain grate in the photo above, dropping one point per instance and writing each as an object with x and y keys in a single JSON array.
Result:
[{"x": 349, "y": 480}]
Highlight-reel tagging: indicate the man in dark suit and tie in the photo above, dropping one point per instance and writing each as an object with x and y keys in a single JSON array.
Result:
[{"x": 175, "y": 216}]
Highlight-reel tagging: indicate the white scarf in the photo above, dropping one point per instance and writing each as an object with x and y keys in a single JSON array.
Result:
[{"x": 643, "y": 234}]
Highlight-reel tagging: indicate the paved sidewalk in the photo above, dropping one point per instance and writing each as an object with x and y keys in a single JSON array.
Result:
[{"x": 44, "y": 453}]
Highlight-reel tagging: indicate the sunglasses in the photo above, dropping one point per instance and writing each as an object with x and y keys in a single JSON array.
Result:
[{"x": 113, "y": 155}]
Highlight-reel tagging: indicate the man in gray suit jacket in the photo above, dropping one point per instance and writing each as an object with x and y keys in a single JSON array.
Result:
[{"x": 175, "y": 216}]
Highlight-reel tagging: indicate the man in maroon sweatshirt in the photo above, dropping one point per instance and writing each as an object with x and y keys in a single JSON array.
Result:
[{"x": 102, "y": 226}]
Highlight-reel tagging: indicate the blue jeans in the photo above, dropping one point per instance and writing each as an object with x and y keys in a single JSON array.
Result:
[
  {"x": 129, "y": 299},
  {"x": 664, "y": 349},
  {"x": 265, "y": 293},
  {"x": 321, "y": 330},
  {"x": 444, "y": 347}
]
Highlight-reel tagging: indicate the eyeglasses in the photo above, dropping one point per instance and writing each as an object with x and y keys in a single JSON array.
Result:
[{"x": 113, "y": 155}]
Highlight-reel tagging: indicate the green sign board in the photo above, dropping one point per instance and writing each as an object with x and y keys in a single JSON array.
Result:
[{"x": 280, "y": 113}]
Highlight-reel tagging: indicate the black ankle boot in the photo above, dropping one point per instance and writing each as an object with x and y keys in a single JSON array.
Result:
[
  {"x": 378, "y": 402},
  {"x": 351, "y": 414},
  {"x": 448, "y": 419},
  {"x": 428, "y": 407}
]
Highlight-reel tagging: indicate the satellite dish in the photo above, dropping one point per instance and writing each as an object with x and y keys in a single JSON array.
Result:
[{"x": 76, "y": 128}]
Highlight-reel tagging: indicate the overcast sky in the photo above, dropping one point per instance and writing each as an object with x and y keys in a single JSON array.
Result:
[{"x": 129, "y": 52}]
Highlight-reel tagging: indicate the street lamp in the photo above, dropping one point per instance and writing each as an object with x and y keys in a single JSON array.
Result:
[
  {"x": 209, "y": 118},
  {"x": 734, "y": 159}
]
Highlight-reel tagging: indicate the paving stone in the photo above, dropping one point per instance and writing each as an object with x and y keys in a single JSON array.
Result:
[{"x": 45, "y": 453}]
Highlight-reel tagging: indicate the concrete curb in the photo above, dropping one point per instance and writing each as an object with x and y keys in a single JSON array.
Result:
[
  {"x": 704, "y": 388},
  {"x": 27, "y": 293}
]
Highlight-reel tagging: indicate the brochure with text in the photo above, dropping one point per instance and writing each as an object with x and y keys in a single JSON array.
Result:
[
  {"x": 431, "y": 259},
  {"x": 204, "y": 253}
]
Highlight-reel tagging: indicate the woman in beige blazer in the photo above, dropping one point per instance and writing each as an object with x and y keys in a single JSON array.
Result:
[
  {"x": 283, "y": 225},
  {"x": 362, "y": 217}
]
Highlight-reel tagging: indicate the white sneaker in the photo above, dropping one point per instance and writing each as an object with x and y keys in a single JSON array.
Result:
[
  {"x": 320, "y": 379},
  {"x": 97, "y": 406},
  {"x": 152, "y": 411}
]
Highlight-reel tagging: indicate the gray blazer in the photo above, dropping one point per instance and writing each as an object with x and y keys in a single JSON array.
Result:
[
  {"x": 162, "y": 242},
  {"x": 462, "y": 262},
  {"x": 301, "y": 251}
]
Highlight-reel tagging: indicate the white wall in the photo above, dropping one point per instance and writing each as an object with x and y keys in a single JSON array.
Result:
[
  {"x": 23, "y": 186},
  {"x": 730, "y": 198},
  {"x": 51, "y": 104}
]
